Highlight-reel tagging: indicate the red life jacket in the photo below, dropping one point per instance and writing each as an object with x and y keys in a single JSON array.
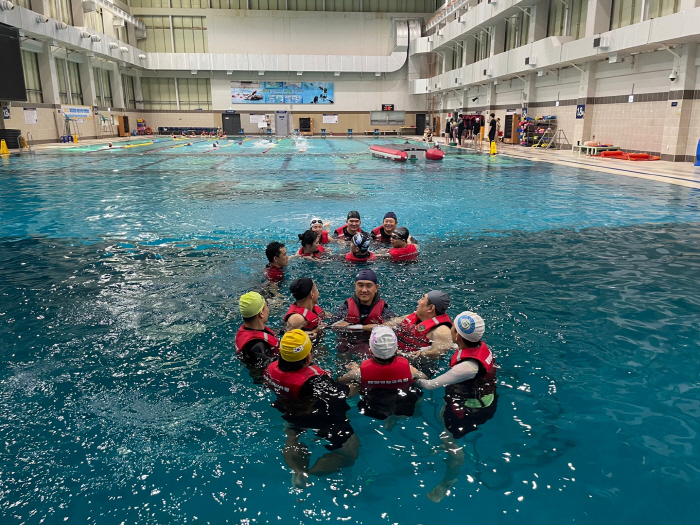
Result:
[
  {"x": 482, "y": 354},
  {"x": 289, "y": 384},
  {"x": 396, "y": 374},
  {"x": 312, "y": 317},
  {"x": 317, "y": 254},
  {"x": 324, "y": 237},
  {"x": 340, "y": 233},
  {"x": 412, "y": 335},
  {"x": 374, "y": 317},
  {"x": 378, "y": 235},
  {"x": 246, "y": 335},
  {"x": 352, "y": 258},
  {"x": 407, "y": 253},
  {"x": 273, "y": 274}
]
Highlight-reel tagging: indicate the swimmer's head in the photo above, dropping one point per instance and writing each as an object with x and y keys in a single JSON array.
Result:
[
  {"x": 399, "y": 237},
  {"x": 316, "y": 224},
  {"x": 353, "y": 222},
  {"x": 302, "y": 288},
  {"x": 382, "y": 342},
  {"x": 295, "y": 346},
  {"x": 251, "y": 304},
  {"x": 361, "y": 242},
  {"x": 309, "y": 239},
  {"x": 470, "y": 326}
]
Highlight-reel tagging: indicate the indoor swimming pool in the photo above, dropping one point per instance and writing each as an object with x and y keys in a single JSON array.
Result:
[{"x": 122, "y": 399}]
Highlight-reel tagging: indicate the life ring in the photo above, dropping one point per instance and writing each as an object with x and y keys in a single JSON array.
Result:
[
  {"x": 642, "y": 156},
  {"x": 148, "y": 131}
]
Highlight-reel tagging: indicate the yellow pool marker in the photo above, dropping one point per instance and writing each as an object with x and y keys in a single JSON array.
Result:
[
  {"x": 3, "y": 148},
  {"x": 137, "y": 145},
  {"x": 75, "y": 138}
]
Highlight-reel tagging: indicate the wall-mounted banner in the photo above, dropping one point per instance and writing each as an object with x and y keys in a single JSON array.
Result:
[
  {"x": 282, "y": 92},
  {"x": 330, "y": 119},
  {"x": 580, "y": 111},
  {"x": 31, "y": 116},
  {"x": 77, "y": 111}
]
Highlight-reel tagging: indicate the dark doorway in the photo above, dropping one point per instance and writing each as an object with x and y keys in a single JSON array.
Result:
[
  {"x": 420, "y": 123},
  {"x": 231, "y": 123}
]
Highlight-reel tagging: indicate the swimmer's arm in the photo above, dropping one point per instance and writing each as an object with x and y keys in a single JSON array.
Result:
[
  {"x": 353, "y": 375},
  {"x": 442, "y": 343},
  {"x": 396, "y": 321},
  {"x": 382, "y": 255},
  {"x": 462, "y": 372},
  {"x": 326, "y": 225},
  {"x": 417, "y": 374},
  {"x": 295, "y": 321}
]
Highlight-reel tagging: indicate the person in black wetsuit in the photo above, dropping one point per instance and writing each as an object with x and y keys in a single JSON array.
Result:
[
  {"x": 310, "y": 400},
  {"x": 493, "y": 125}
]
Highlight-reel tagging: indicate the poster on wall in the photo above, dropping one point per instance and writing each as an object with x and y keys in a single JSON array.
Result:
[
  {"x": 31, "y": 116},
  {"x": 6, "y": 112},
  {"x": 281, "y": 92},
  {"x": 77, "y": 112},
  {"x": 257, "y": 118},
  {"x": 580, "y": 111},
  {"x": 330, "y": 119}
]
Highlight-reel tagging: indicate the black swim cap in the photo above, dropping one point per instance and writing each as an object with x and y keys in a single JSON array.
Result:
[
  {"x": 353, "y": 214},
  {"x": 301, "y": 288}
]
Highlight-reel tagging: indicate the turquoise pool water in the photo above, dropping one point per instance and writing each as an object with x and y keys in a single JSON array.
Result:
[{"x": 121, "y": 399}]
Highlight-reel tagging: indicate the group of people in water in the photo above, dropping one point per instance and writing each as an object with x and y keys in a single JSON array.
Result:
[{"x": 399, "y": 355}]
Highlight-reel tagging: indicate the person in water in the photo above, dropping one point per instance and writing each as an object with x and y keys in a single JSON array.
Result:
[
  {"x": 426, "y": 332},
  {"x": 352, "y": 226},
  {"x": 256, "y": 344},
  {"x": 365, "y": 307},
  {"x": 276, "y": 254},
  {"x": 309, "y": 399},
  {"x": 319, "y": 227},
  {"x": 359, "y": 249},
  {"x": 310, "y": 245},
  {"x": 304, "y": 313},
  {"x": 470, "y": 392},
  {"x": 401, "y": 248},
  {"x": 383, "y": 233},
  {"x": 386, "y": 380}
]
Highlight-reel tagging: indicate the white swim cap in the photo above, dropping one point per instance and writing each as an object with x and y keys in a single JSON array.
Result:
[
  {"x": 382, "y": 342},
  {"x": 470, "y": 326}
]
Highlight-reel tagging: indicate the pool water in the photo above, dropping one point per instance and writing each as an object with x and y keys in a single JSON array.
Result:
[{"x": 122, "y": 400}]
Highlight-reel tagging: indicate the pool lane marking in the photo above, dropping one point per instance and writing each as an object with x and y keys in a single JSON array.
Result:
[
  {"x": 602, "y": 169},
  {"x": 173, "y": 147},
  {"x": 275, "y": 144}
]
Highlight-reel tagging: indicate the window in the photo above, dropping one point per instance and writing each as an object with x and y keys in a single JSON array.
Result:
[
  {"x": 659, "y": 8},
  {"x": 457, "y": 56},
  {"x": 103, "y": 88},
  {"x": 128, "y": 86},
  {"x": 61, "y": 10},
  {"x": 557, "y": 18},
  {"x": 32, "y": 80},
  {"x": 579, "y": 11},
  {"x": 190, "y": 34},
  {"x": 387, "y": 118},
  {"x": 150, "y": 3},
  {"x": 194, "y": 4},
  {"x": 158, "y": 38},
  {"x": 625, "y": 12},
  {"x": 525, "y": 27},
  {"x": 94, "y": 20},
  {"x": 159, "y": 93},
  {"x": 76, "y": 90},
  {"x": 482, "y": 49},
  {"x": 512, "y": 32},
  {"x": 61, "y": 77},
  {"x": 194, "y": 93}
]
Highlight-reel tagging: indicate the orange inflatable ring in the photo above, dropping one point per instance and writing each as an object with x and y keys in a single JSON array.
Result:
[
  {"x": 148, "y": 131},
  {"x": 608, "y": 154},
  {"x": 642, "y": 156}
]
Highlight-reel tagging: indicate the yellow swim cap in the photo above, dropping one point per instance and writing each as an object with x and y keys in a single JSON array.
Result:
[
  {"x": 251, "y": 304},
  {"x": 295, "y": 345}
]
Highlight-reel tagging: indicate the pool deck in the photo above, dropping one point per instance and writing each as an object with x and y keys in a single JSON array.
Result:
[{"x": 679, "y": 173}]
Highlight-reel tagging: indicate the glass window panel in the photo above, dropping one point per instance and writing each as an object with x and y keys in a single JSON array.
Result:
[
  {"x": 61, "y": 77},
  {"x": 32, "y": 80},
  {"x": 76, "y": 88},
  {"x": 625, "y": 12}
]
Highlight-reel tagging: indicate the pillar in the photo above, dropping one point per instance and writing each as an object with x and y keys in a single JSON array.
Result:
[
  {"x": 498, "y": 38},
  {"x": 587, "y": 87},
  {"x": 78, "y": 14},
  {"x": 47, "y": 72},
  {"x": 677, "y": 124},
  {"x": 138, "y": 91},
  {"x": 598, "y": 17},
  {"x": 40, "y": 6},
  {"x": 529, "y": 89},
  {"x": 539, "y": 16},
  {"x": 117, "y": 86}
]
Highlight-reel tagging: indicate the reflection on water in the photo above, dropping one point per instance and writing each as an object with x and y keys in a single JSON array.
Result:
[{"x": 121, "y": 399}]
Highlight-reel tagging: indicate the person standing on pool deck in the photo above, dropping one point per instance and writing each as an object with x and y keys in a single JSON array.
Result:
[
  {"x": 493, "y": 125},
  {"x": 470, "y": 392},
  {"x": 426, "y": 332},
  {"x": 256, "y": 344},
  {"x": 386, "y": 379},
  {"x": 309, "y": 399},
  {"x": 305, "y": 313},
  {"x": 365, "y": 307},
  {"x": 352, "y": 226},
  {"x": 319, "y": 227},
  {"x": 278, "y": 260}
]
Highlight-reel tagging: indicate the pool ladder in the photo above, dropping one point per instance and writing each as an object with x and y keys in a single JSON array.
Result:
[{"x": 30, "y": 139}]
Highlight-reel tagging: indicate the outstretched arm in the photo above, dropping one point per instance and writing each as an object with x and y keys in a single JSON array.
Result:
[{"x": 461, "y": 372}]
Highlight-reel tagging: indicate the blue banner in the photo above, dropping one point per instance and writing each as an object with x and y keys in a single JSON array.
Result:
[{"x": 282, "y": 92}]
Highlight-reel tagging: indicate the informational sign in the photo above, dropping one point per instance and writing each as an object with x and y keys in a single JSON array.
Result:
[
  {"x": 230, "y": 111},
  {"x": 31, "y": 116},
  {"x": 524, "y": 112},
  {"x": 673, "y": 105},
  {"x": 77, "y": 111},
  {"x": 387, "y": 107},
  {"x": 281, "y": 92},
  {"x": 6, "y": 112},
  {"x": 580, "y": 111},
  {"x": 257, "y": 118},
  {"x": 510, "y": 112},
  {"x": 330, "y": 119},
  {"x": 631, "y": 98}
]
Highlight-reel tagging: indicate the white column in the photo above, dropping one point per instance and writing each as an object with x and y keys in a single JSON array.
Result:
[
  {"x": 688, "y": 4},
  {"x": 539, "y": 15},
  {"x": 47, "y": 72},
  {"x": 587, "y": 87},
  {"x": 598, "y": 17},
  {"x": 117, "y": 86},
  {"x": 78, "y": 14},
  {"x": 498, "y": 38},
  {"x": 138, "y": 92},
  {"x": 677, "y": 124},
  {"x": 40, "y": 6}
]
